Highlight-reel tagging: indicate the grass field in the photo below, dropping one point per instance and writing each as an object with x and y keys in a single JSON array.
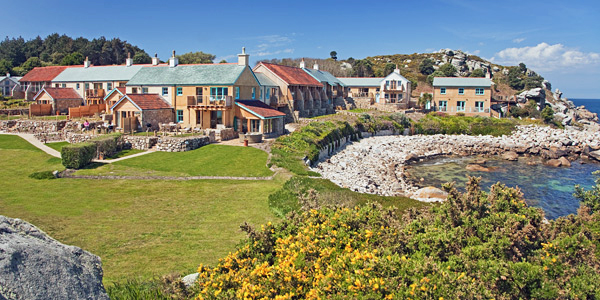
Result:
[
  {"x": 57, "y": 145},
  {"x": 140, "y": 228},
  {"x": 211, "y": 160}
]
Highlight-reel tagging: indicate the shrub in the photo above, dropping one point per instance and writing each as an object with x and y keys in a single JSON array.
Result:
[
  {"x": 77, "y": 156},
  {"x": 434, "y": 123},
  {"x": 107, "y": 145},
  {"x": 42, "y": 175}
]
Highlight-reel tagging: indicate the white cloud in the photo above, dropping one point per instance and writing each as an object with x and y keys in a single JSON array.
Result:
[
  {"x": 545, "y": 57},
  {"x": 518, "y": 40}
]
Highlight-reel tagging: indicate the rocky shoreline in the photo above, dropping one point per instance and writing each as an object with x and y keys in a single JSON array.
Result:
[{"x": 377, "y": 165}]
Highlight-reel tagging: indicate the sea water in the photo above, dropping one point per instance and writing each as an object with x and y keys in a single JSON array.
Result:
[{"x": 549, "y": 188}]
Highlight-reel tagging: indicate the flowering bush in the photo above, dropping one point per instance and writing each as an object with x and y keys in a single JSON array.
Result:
[{"x": 474, "y": 245}]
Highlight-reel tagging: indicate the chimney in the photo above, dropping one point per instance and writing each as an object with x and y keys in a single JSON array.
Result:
[
  {"x": 7, "y": 74},
  {"x": 316, "y": 66},
  {"x": 129, "y": 60},
  {"x": 155, "y": 60},
  {"x": 243, "y": 58},
  {"x": 397, "y": 70},
  {"x": 487, "y": 74},
  {"x": 173, "y": 61},
  {"x": 86, "y": 63},
  {"x": 302, "y": 64}
]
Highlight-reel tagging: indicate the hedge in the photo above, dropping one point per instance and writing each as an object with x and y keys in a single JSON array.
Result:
[
  {"x": 107, "y": 145},
  {"x": 77, "y": 156}
]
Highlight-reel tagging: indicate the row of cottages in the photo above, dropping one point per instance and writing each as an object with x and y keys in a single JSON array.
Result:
[
  {"x": 35, "y": 80},
  {"x": 333, "y": 88},
  {"x": 7, "y": 84},
  {"x": 209, "y": 95},
  {"x": 388, "y": 93},
  {"x": 470, "y": 96}
]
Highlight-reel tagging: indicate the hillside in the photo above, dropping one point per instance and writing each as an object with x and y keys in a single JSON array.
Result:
[{"x": 509, "y": 80}]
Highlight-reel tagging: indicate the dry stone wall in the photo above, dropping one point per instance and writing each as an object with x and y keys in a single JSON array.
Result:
[
  {"x": 181, "y": 144},
  {"x": 139, "y": 142}
]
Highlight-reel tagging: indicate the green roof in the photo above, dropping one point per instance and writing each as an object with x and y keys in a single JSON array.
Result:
[
  {"x": 97, "y": 73},
  {"x": 264, "y": 80},
  {"x": 323, "y": 76},
  {"x": 361, "y": 81},
  {"x": 462, "y": 81},
  {"x": 217, "y": 74}
]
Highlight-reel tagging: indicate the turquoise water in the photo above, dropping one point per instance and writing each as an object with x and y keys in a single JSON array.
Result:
[{"x": 546, "y": 187}]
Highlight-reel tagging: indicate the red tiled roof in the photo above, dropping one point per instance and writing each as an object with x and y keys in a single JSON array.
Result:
[
  {"x": 259, "y": 108},
  {"x": 121, "y": 89},
  {"x": 292, "y": 75},
  {"x": 42, "y": 74},
  {"x": 62, "y": 93},
  {"x": 148, "y": 101}
]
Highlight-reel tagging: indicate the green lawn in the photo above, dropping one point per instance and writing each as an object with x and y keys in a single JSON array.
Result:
[
  {"x": 57, "y": 145},
  {"x": 141, "y": 228},
  {"x": 126, "y": 152},
  {"x": 211, "y": 160}
]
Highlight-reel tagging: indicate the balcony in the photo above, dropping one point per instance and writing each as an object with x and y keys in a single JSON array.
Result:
[
  {"x": 210, "y": 102},
  {"x": 275, "y": 101},
  {"x": 95, "y": 93},
  {"x": 393, "y": 89},
  {"x": 461, "y": 109}
]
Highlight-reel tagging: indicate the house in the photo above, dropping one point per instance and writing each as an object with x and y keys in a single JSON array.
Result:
[
  {"x": 202, "y": 95},
  {"x": 269, "y": 90},
  {"x": 257, "y": 117},
  {"x": 364, "y": 91},
  {"x": 136, "y": 111},
  {"x": 7, "y": 84},
  {"x": 60, "y": 98},
  {"x": 94, "y": 82},
  {"x": 333, "y": 88},
  {"x": 471, "y": 96},
  {"x": 395, "y": 90},
  {"x": 36, "y": 79},
  {"x": 113, "y": 97},
  {"x": 300, "y": 94}
]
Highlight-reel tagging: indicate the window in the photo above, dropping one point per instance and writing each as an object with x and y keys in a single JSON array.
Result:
[
  {"x": 87, "y": 86},
  {"x": 253, "y": 93},
  {"x": 144, "y": 90},
  {"x": 57, "y": 85},
  {"x": 237, "y": 92},
  {"x": 180, "y": 116},
  {"x": 461, "y": 91},
  {"x": 98, "y": 86},
  {"x": 63, "y": 85},
  {"x": 109, "y": 86},
  {"x": 479, "y": 91},
  {"x": 179, "y": 91},
  {"x": 443, "y": 91},
  {"x": 199, "y": 91},
  {"x": 268, "y": 96},
  {"x": 165, "y": 91},
  {"x": 479, "y": 106},
  {"x": 77, "y": 86},
  {"x": 460, "y": 106},
  {"x": 134, "y": 90},
  {"x": 218, "y": 93}
]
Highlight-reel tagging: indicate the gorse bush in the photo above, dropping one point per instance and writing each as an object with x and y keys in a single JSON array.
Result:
[
  {"x": 474, "y": 245},
  {"x": 77, "y": 156},
  {"x": 440, "y": 124}
]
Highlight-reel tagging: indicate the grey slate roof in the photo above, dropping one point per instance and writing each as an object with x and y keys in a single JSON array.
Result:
[
  {"x": 15, "y": 79},
  {"x": 462, "y": 82},
  {"x": 323, "y": 76},
  {"x": 361, "y": 81},
  {"x": 264, "y": 80},
  {"x": 217, "y": 74},
  {"x": 97, "y": 73}
]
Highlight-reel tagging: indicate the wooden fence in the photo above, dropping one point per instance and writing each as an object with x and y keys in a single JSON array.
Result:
[
  {"x": 85, "y": 111},
  {"x": 40, "y": 109},
  {"x": 129, "y": 124}
]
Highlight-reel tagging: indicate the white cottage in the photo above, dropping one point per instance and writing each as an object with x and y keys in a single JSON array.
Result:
[{"x": 395, "y": 90}]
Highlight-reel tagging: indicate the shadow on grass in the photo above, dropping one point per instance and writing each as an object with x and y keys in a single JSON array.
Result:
[{"x": 93, "y": 165}]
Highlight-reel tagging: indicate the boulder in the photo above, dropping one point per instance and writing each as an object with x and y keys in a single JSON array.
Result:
[
  {"x": 35, "y": 266},
  {"x": 190, "y": 280},
  {"x": 510, "y": 155},
  {"x": 553, "y": 163},
  {"x": 564, "y": 162},
  {"x": 595, "y": 155},
  {"x": 430, "y": 194},
  {"x": 477, "y": 168}
]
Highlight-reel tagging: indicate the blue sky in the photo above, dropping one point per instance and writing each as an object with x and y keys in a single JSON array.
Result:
[{"x": 558, "y": 39}]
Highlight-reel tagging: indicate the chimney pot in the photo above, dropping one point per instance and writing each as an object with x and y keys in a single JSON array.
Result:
[
  {"x": 155, "y": 60},
  {"x": 302, "y": 64},
  {"x": 243, "y": 58},
  {"x": 173, "y": 61},
  {"x": 86, "y": 63},
  {"x": 316, "y": 66}
]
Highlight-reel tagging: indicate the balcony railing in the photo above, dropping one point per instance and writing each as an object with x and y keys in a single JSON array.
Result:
[
  {"x": 95, "y": 93},
  {"x": 362, "y": 95},
  {"x": 210, "y": 100},
  {"x": 463, "y": 110}
]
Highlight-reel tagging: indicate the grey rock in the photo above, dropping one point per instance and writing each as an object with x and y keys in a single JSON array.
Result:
[
  {"x": 595, "y": 155},
  {"x": 35, "y": 266},
  {"x": 190, "y": 280}
]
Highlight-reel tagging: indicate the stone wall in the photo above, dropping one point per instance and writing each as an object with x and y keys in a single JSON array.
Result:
[
  {"x": 32, "y": 126},
  {"x": 181, "y": 144},
  {"x": 156, "y": 117},
  {"x": 62, "y": 106},
  {"x": 15, "y": 111},
  {"x": 139, "y": 142},
  {"x": 223, "y": 134}
]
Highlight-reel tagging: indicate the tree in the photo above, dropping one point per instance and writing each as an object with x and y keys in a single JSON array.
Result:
[
  {"x": 72, "y": 59},
  {"x": 437, "y": 73},
  {"x": 5, "y": 67},
  {"x": 533, "y": 82},
  {"x": 333, "y": 55},
  {"x": 223, "y": 61},
  {"x": 423, "y": 99},
  {"x": 141, "y": 57},
  {"x": 31, "y": 63},
  {"x": 448, "y": 69},
  {"x": 196, "y": 58},
  {"x": 515, "y": 80},
  {"x": 548, "y": 114},
  {"x": 477, "y": 73},
  {"x": 362, "y": 68},
  {"x": 522, "y": 68},
  {"x": 389, "y": 68},
  {"x": 426, "y": 67}
]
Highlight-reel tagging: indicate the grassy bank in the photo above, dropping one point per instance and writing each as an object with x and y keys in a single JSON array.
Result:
[{"x": 139, "y": 228}]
